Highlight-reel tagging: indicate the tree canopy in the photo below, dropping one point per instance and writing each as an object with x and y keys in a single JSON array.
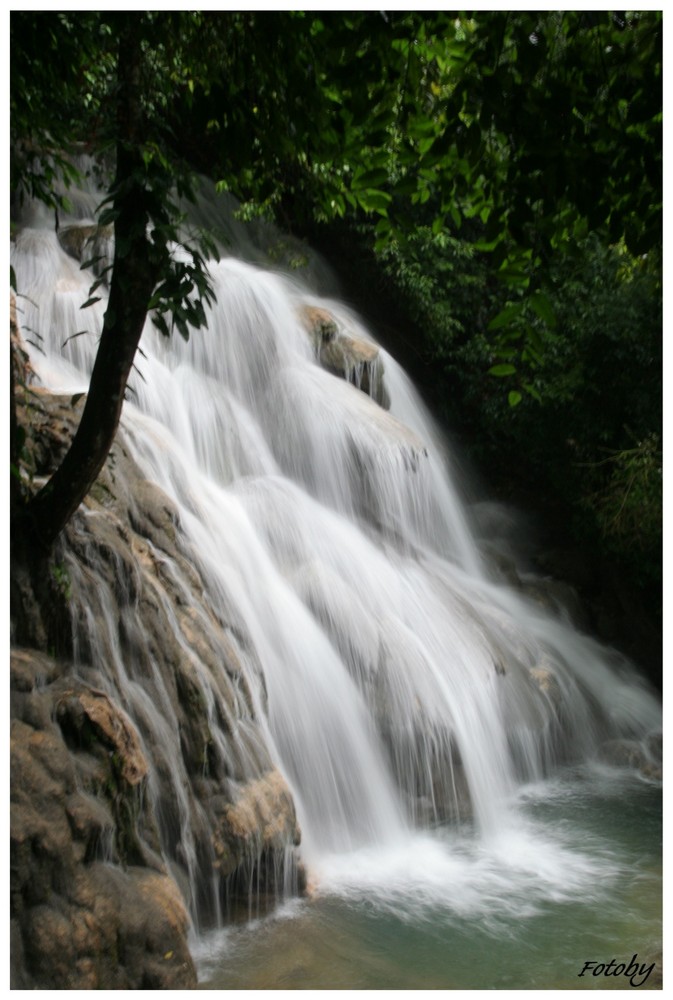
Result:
[{"x": 544, "y": 125}]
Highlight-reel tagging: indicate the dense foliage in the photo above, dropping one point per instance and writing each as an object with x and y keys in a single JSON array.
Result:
[{"x": 543, "y": 124}]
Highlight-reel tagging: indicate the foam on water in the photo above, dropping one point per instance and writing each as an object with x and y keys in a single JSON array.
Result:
[{"x": 505, "y": 877}]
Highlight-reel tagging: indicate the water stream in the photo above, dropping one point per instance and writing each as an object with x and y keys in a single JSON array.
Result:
[
  {"x": 580, "y": 881},
  {"x": 439, "y": 728}
]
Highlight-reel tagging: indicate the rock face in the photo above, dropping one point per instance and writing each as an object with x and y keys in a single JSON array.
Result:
[
  {"x": 89, "y": 908},
  {"x": 143, "y": 794}
]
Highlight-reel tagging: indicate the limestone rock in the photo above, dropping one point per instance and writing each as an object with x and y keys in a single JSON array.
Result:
[
  {"x": 256, "y": 826},
  {"x": 319, "y": 324},
  {"x": 264, "y": 811},
  {"x": 83, "y": 709},
  {"x": 655, "y": 746},
  {"x": 80, "y": 920},
  {"x": 163, "y": 698},
  {"x": 49, "y": 422},
  {"x": 352, "y": 358}
]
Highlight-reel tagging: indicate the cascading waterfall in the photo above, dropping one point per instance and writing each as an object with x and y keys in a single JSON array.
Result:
[{"x": 399, "y": 682}]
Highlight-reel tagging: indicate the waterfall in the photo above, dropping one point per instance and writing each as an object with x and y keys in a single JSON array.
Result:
[{"x": 397, "y": 681}]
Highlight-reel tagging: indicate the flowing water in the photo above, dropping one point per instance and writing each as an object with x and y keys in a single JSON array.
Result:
[
  {"x": 579, "y": 880},
  {"x": 440, "y": 730}
]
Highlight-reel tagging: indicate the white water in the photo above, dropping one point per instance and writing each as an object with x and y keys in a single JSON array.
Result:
[{"x": 406, "y": 683}]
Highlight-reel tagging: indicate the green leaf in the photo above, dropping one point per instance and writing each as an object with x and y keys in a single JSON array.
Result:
[
  {"x": 541, "y": 305},
  {"x": 96, "y": 285},
  {"x": 374, "y": 201},
  {"x": 74, "y": 400},
  {"x": 161, "y": 324},
  {"x": 90, "y": 262},
  {"x": 501, "y": 370},
  {"x": 514, "y": 277},
  {"x": 514, "y": 398},
  {"x": 511, "y": 312},
  {"x": 485, "y": 246},
  {"x": 532, "y": 391},
  {"x": 90, "y": 302},
  {"x": 108, "y": 216},
  {"x": 369, "y": 179},
  {"x": 80, "y": 333}
]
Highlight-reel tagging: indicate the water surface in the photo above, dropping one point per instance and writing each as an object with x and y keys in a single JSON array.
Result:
[{"x": 577, "y": 879}]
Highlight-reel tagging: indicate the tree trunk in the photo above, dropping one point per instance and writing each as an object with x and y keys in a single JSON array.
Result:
[{"x": 136, "y": 269}]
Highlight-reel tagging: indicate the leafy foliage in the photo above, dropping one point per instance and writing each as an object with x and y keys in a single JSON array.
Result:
[
  {"x": 628, "y": 506},
  {"x": 60, "y": 65}
]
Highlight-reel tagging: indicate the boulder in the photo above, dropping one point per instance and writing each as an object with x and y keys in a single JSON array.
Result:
[{"x": 354, "y": 359}]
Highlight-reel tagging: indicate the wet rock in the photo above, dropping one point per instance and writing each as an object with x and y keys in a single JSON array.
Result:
[
  {"x": 264, "y": 812},
  {"x": 354, "y": 359},
  {"x": 630, "y": 754},
  {"x": 162, "y": 697},
  {"x": 451, "y": 801},
  {"x": 555, "y": 596},
  {"x": 90, "y": 820},
  {"x": 154, "y": 515},
  {"x": 30, "y": 670},
  {"x": 319, "y": 324},
  {"x": 253, "y": 830},
  {"x": 78, "y": 923},
  {"x": 22, "y": 371},
  {"x": 121, "y": 930},
  {"x": 547, "y": 683},
  {"x": 341, "y": 354},
  {"x": 49, "y": 423},
  {"x": 90, "y": 715}
]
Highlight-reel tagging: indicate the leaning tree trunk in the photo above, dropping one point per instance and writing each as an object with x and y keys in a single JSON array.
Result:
[{"x": 136, "y": 269}]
